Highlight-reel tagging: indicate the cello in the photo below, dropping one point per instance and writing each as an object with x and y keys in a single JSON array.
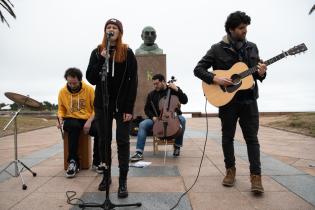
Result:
[{"x": 167, "y": 126}]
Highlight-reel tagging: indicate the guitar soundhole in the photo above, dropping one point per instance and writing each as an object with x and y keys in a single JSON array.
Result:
[
  {"x": 236, "y": 79},
  {"x": 237, "y": 82}
]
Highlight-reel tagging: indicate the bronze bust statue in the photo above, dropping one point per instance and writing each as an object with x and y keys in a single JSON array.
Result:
[{"x": 148, "y": 36}]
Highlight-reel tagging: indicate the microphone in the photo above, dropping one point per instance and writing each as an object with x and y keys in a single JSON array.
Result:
[{"x": 110, "y": 34}]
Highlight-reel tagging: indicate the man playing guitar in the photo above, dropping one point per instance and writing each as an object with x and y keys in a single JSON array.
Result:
[{"x": 232, "y": 49}]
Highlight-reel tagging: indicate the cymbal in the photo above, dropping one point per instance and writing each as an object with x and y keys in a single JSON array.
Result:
[{"x": 23, "y": 100}]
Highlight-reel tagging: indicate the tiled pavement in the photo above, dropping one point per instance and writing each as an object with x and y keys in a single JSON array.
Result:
[{"x": 288, "y": 161}]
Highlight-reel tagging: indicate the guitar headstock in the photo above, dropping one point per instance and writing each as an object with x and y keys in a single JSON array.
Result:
[{"x": 297, "y": 49}]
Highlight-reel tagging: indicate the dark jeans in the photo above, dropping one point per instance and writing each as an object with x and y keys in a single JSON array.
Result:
[
  {"x": 248, "y": 116},
  {"x": 105, "y": 134},
  {"x": 73, "y": 127}
]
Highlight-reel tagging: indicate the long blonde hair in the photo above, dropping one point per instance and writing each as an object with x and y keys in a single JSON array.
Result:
[{"x": 121, "y": 48}]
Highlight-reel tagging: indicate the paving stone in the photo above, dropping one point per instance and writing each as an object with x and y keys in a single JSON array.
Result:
[{"x": 302, "y": 185}]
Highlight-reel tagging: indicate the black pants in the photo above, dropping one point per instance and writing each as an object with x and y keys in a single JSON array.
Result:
[
  {"x": 248, "y": 116},
  {"x": 105, "y": 135},
  {"x": 73, "y": 127},
  {"x": 93, "y": 132}
]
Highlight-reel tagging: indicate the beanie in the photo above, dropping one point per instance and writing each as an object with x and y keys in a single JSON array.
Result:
[{"x": 115, "y": 22}]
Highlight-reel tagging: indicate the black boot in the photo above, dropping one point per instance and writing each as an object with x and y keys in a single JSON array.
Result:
[
  {"x": 122, "y": 189},
  {"x": 103, "y": 184}
]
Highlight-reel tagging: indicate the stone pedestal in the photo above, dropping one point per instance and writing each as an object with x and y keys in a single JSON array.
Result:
[{"x": 148, "y": 65}]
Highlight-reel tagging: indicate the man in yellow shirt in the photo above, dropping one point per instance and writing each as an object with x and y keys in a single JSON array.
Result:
[{"x": 76, "y": 112}]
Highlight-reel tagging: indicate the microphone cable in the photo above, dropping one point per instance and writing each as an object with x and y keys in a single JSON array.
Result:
[
  {"x": 71, "y": 199},
  {"x": 203, "y": 154}
]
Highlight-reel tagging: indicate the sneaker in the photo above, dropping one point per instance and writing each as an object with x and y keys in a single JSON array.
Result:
[
  {"x": 100, "y": 168},
  {"x": 95, "y": 164},
  {"x": 94, "y": 167},
  {"x": 176, "y": 151},
  {"x": 136, "y": 157},
  {"x": 72, "y": 169}
]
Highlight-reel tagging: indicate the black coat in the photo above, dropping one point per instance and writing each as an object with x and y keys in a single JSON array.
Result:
[
  {"x": 122, "y": 86},
  {"x": 222, "y": 56}
]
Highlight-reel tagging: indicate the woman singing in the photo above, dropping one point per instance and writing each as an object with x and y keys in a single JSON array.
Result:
[{"x": 115, "y": 96}]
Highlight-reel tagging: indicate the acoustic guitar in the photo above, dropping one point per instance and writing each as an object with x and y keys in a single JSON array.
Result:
[{"x": 242, "y": 78}]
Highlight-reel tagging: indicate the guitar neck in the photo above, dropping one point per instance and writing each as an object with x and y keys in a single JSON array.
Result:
[{"x": 268, "y": 62}]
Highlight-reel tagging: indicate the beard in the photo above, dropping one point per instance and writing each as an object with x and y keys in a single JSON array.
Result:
[{"x": 74, "y": 89}]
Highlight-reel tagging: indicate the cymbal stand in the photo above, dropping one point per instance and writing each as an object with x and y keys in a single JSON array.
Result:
[{"x": 16, "y": 161}]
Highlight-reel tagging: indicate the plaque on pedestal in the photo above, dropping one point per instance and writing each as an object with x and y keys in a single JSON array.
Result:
[{"x": 148, "y": 65}]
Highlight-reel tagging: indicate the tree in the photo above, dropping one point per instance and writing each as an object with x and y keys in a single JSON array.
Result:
[
  {"x": 47, "y": 105},
  {"x": 55, "y": 106},
  {"x": 14, "y": 106},
  {"x": 7, "y": 5}
]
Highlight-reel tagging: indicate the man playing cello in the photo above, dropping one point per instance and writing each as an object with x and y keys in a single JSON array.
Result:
[{"x": 152, "y": 111}]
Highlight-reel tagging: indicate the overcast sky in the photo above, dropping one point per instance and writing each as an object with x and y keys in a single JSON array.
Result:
[{"x": 49, "y": 36}]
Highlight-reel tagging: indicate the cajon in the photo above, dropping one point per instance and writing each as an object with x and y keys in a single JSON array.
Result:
[{"x": 84, "y": 151}]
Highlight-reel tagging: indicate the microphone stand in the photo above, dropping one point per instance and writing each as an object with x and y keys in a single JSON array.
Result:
[{"x": 107, "y": 204}]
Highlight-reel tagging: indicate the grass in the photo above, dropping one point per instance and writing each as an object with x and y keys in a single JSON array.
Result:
[
  {"x": 25, "y": 123},
  {"x": 303, "y": 123}
]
